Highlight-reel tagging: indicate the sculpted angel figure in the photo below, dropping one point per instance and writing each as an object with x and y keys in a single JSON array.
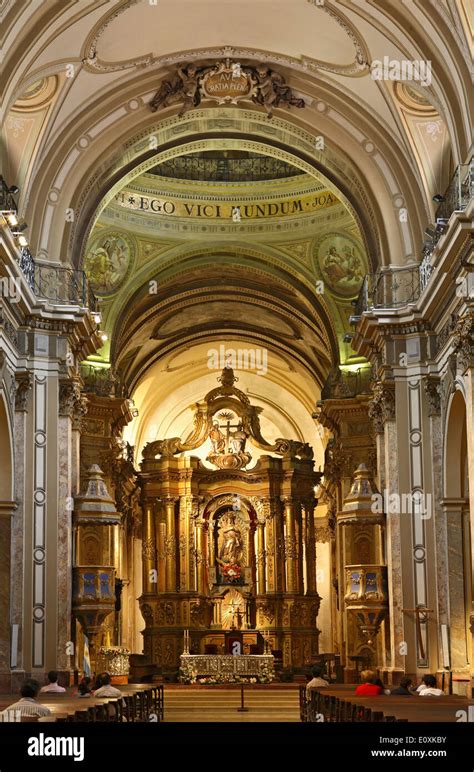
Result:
[
  {"x": 272, "y": 90},
  {"x": 184, "y": 87}
]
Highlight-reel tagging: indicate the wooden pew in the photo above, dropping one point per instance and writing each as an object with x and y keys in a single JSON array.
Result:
[
  {"x": 342, "y": 704},
  {"x": 137, "y": 702}
]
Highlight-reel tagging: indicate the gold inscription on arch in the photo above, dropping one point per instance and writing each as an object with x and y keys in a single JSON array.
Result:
[{"x": 225, "y": 210}]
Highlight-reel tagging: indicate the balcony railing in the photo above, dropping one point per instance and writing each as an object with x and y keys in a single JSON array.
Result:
[
  {"x": 347, "y": 384},
  {"x": 60, "y": 285},
  {"x": 392, "y": 288},
  {"x": 459, "y": 192},
  {"x": 100, "y": 381},
  {"x": 395, "y": 287}
]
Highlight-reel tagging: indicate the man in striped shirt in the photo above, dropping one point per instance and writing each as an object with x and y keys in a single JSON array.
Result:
[{"x": 28, "y": 705}]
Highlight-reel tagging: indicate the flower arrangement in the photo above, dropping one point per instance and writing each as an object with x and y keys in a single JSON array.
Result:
[
  {"x": 232, "y": 571},
  {"x": 187, "y": 675},
  {"x": 112, "y": 650},
  {"x": 266, "y": 675}
]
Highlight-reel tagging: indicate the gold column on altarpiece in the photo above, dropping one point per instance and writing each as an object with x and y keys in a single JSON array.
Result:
[
  {"x": 261, "y": 557},
  {"x": 170, "y": 544},
  {"x": 310, "y": 542},
  {"x": 149, "y": 551},
  {"x": 290, "y": 547},
  {"x": 201, "y": 553}
]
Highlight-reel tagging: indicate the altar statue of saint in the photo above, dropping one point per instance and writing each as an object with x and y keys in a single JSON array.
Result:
[
  {"x": 232, "y": 547},
  {"x": 217, "y": 439},
  {"x": 238, "y": 440}
]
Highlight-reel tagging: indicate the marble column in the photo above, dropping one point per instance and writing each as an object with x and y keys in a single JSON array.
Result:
[
  {"x": 64, "y": 541},
  {"x": 7, "y": 509},
  {"x": 394, "y": 552},
  {"x": 22, "y": 402},
  {"x": 454, "y": 510},
  {"x": 468, "y": 369}
]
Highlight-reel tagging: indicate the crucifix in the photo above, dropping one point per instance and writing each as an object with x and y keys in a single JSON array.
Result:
[
  {"x": 234, "y": 608},
  {"x": 227, "y": 417},
  {"x": 421, "y": 616}
]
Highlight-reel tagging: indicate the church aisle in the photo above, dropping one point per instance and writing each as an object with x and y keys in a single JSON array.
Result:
[{"x": 221, "y": 704}]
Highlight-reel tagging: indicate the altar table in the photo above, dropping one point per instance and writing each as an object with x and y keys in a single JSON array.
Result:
[{"x": 226, "y": 666}]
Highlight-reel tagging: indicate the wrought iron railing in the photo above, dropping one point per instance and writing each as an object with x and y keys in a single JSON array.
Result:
[
  {"x": 208, "y": 168},
  {"x": 392, "y": 287},
  {"x": 60, "y": 285},
  {"x": 395, "y": 287},
  {"x": 347, "y": 384},
  {"x": 7, "y": 202},
  {"x": 99, "y": 380},
  {"x": 459, "y": 192}
]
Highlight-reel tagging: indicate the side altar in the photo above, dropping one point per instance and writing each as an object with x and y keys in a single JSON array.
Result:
[
  {"x": 228, "y": 546},
  {"x": 226, "y": 668}
]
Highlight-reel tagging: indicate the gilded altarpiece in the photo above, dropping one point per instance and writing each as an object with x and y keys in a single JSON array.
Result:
[{"x": 229, "y": 551}]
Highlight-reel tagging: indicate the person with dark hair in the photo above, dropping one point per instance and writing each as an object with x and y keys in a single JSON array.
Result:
[
  {"x": 428, "y": 688},
  {"x": 28, "y": 706},
  {"x": 84, "y": 688},
  {"x": 316, "y": 681},
  {"x": 404, "y": 687},
  {"x": 105, "y": 688},
  {"x": 368, "y": 687},
  {"x": 52, "y": 685}
]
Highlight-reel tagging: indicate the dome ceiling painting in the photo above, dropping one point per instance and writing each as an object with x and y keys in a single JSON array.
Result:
[{"x": 257, "y": 247}]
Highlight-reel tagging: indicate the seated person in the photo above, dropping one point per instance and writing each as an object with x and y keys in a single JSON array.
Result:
[
  {"x": 104, "y": 688},
  {"x": 28, "y": 706},
  {"x": 52, "y": 685},
  {"x": 368, "y": 687},
  {"x": 316, "y": 680},
  {"x": 84, "y": 688},
  {"x": 404, "y": 687},
  {"x": 427, "y": 688}
]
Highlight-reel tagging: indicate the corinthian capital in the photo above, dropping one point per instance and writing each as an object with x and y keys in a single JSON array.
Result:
[
  {"x": 382, "y": 405},
  {"x": 69, "y": 395},
  {"x": 433, "y": 395},
  {"x": 464, "y": 341}
]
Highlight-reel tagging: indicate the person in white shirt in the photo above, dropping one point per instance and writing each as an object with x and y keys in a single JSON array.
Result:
[
  {"x": 105, "y": 687},
  {"x": 316, "y": 681},
  {"x": 52, "y": 685},
  {"x": 428, "y": 688},
  {"x": 28, "y": 706}
]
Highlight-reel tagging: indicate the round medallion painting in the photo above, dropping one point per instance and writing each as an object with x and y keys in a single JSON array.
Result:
[
  {"x": 342, "y": 263},
  {"x": 107, "y": 262}
]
